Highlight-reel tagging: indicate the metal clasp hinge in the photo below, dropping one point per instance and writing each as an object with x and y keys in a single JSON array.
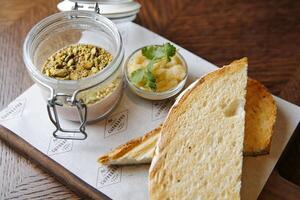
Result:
[
  {"x": 79, "y": 134},
  {"x": 86, "y": 6}
]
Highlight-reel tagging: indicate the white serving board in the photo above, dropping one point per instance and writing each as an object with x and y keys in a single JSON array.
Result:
[{"x": 27, "y": 117}]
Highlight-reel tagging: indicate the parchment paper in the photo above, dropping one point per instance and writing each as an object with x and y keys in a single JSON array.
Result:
[{"x": 27, "y": 117}]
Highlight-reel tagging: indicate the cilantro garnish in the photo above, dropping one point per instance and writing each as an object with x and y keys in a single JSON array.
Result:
[{"x": 154, "y": 53}]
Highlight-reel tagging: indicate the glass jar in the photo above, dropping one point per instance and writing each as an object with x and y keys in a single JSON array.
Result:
[{"x": 76, "y": 100}]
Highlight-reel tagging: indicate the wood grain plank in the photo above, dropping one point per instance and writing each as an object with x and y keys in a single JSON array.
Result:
[
  {"x": 17, "y": 175},
  {"x": 267, "y": 32},
  {"x": 277, "y": 188},
  {"x": 49, "y": 165},
  {"x": 156, "y": 15}
]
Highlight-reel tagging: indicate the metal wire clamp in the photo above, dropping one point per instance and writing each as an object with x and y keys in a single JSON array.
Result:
[{"x": 79, "y": 134}]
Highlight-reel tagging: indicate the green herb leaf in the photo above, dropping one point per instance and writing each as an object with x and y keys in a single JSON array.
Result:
[
  {"x": 170, "y": 50},
  {"x": 152, "y": 85},
  {"x": 149, "y": 76},
  {"x": 151, "y": 81},
  {"x": 156, "y": 52},
  {"x": 137, "y": 76},
  {"x": 150, "y": 65},
  {"x": 153, "y": 52},
  {"x": 144, "y": 75}
]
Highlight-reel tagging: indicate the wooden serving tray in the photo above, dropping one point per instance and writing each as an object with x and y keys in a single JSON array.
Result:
[
  {"x": 27, "y": 114},
  {"x": 46, "y": 163}
]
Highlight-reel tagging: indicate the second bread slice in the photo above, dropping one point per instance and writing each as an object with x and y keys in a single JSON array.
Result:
[{"x": 260, "y": 119}]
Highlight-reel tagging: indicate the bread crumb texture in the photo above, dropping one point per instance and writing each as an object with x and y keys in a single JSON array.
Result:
[{"x": 199, "y": 153}]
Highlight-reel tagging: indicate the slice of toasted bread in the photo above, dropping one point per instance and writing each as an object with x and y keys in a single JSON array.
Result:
[
  {"x": 137, "y": 151},
  {"x": 199, "y": 154},
  {"x": 260, "y": 119}
]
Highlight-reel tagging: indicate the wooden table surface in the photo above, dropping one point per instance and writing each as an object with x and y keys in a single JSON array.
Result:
[{"x": 267, "y": 32}]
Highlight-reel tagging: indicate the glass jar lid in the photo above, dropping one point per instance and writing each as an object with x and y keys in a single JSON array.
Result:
[{"x": 116, "y": 10}]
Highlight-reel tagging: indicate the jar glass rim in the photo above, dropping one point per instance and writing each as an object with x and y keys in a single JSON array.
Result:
[{"x": 46, "y": 22}]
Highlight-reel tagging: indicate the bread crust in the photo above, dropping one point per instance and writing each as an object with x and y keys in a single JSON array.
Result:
[
  {"x": 125, "y": 148},
  {"x": 259, "y": 102}
]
